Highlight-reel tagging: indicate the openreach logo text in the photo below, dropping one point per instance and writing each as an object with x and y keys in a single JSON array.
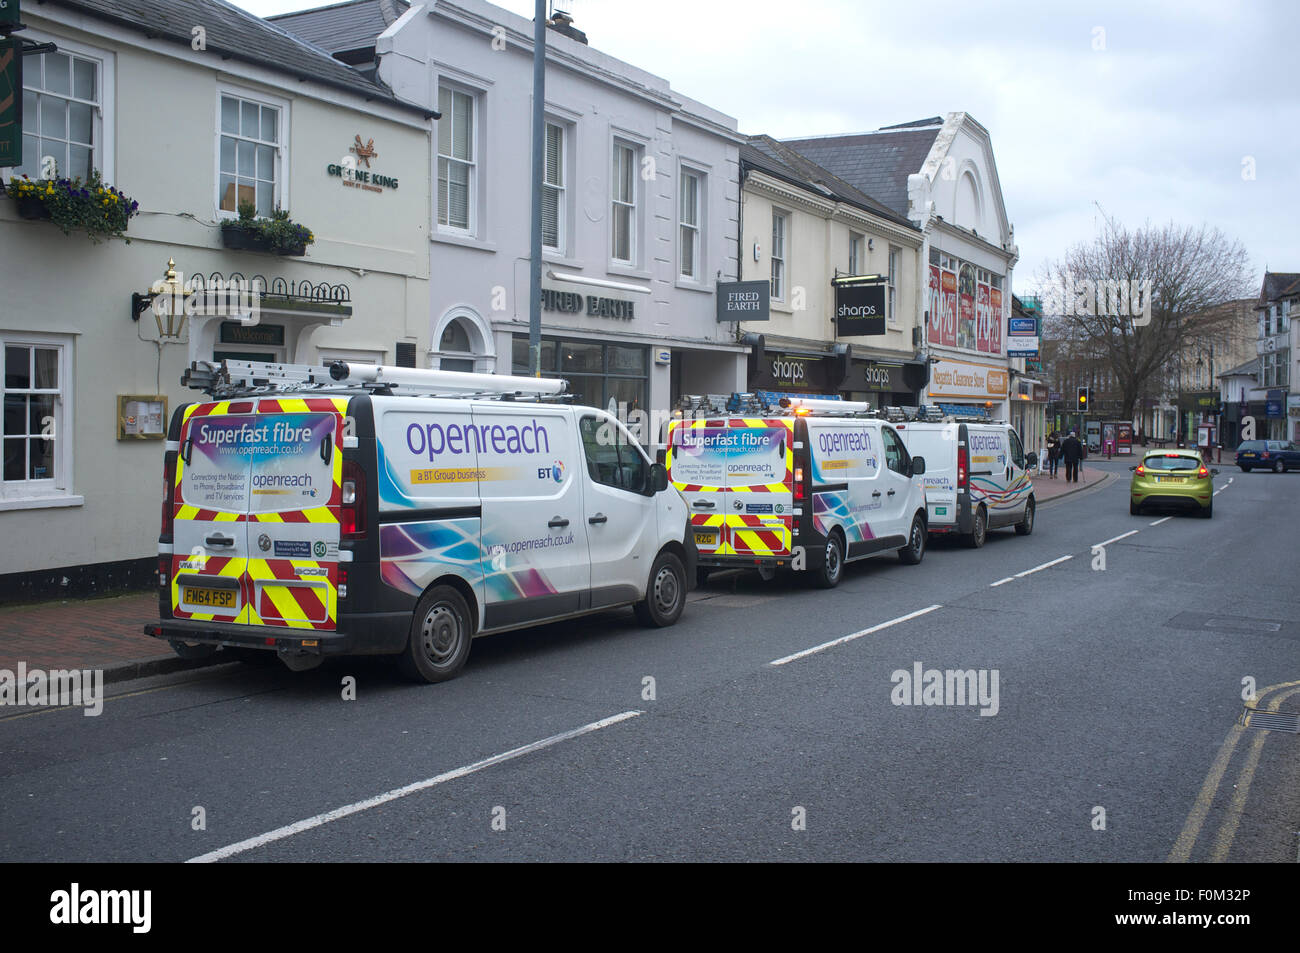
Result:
[
  {"x": 57, "y": 688},
  {"x": 947, "y": 687},
  {"x": 99, "y": 907}
]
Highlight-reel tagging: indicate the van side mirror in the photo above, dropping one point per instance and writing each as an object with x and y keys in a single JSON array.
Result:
[
  {"x": 1031, "y": 460},
  {"x": 918, "y": 466},
  {"x": 657, "y": 479}
]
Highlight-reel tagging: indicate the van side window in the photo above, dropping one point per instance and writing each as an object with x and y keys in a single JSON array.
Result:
[
  {"x": 1017, "y": 452},
  {"x": 895, "y": 453},
  {"x": 613, "y": 458}
]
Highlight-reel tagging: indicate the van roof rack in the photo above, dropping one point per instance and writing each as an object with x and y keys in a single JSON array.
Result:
[{"x": 231, "y": 378}]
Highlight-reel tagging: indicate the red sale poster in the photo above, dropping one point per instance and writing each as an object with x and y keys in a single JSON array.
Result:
[
  {"x": 966, "y": 308},
  {"x": 934, "y": 333},
  {"x": 948, "y": 308},
  {"x": 982, "y": 317},
  {"x": 999, "y": 320}
]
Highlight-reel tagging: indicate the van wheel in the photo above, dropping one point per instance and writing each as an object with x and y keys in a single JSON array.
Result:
[
  {"x": 440, "y": 636},
  {"x": 914, "y": 551},
  {"x": 1026, "y": 524},
  {"x": 832, "y": 568},
  {"x": 975, "y": 538},
  {"x": 192, "y": 651},
  {"x": 665, "y": 595}
]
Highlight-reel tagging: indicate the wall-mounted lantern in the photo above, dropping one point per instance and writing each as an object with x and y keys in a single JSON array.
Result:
[{"x": 166, "y": 298}]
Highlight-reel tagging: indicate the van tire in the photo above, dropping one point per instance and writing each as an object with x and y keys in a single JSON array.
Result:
[
  {"x": 1026, "y": 524},
  {"x": 830, "y": 573},
  {"x": 976, "y": 537},
  {"x": 914, "y": 551},
  {"x": 665, "y": 594},
  {"x": 441, "y": 632}
]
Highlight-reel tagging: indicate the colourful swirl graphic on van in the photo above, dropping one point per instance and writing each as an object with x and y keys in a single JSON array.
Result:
[
  {"x": 997, "y": 498},
  {"x": 413, "y": 555},
  {"x": 834, "y": 509}
]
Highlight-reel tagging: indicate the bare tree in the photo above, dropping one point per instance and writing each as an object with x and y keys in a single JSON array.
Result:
[{"x": 1136, "y": 299}]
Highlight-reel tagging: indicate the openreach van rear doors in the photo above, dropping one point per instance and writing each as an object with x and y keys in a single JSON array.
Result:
[
  {"x": 737, "y": 475},
  {"x": 256, "y": 513}
]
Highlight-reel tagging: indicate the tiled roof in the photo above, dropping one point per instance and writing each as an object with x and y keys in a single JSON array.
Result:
[
  {"x": 237, "y": 34},
  {"x": 343, "y": 26},
  {"x": 1251, "y": 367},
  {"x": 877, "y": 163},
  {"x": 779, "y": 159},
  {"x": 1277, "y": 284}
]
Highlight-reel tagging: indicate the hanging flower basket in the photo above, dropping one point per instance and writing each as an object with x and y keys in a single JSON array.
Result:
[
  {"x": 277, "y": 235},
  {"x": 99, "y": 210}
]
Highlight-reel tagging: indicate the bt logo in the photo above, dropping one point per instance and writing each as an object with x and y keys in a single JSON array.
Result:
[{"x": 555, "y": 472}]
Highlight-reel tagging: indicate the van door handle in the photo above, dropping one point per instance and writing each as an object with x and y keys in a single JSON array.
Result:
[
  {"x": 877, "y": 493},
  {"x": 220, "y": 541},
  {"x": 326, "y": 447},
  {"x": 891, "y": 492},
  {"x": 599, "y": 518},
  {"x": 703, "y": 505},
  {"x": 557, "y": 522}
]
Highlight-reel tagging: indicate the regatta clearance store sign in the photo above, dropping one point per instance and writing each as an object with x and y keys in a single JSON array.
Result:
[{"x": 964, "y": 380}]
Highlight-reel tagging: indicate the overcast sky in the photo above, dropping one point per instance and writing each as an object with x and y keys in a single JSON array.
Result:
[{"x": 1157, "y": 111}]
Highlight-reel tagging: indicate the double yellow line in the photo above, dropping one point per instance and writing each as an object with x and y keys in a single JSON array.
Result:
[{"x": 1182, "y": 850}]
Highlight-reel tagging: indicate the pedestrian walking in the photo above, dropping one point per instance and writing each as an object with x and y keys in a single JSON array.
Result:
[
  {"x": 1072, "y": 452},
  {"x": 1053, "y": 453}
]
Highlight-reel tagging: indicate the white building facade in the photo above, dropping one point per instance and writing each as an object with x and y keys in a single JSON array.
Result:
[{"x": 640, "y": 218}]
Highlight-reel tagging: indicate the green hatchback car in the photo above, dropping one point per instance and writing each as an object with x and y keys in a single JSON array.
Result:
[{"x": 1172, "y": 478}]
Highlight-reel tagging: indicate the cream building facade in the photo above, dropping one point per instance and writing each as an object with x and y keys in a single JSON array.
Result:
[{"x": 184, "y": 128}]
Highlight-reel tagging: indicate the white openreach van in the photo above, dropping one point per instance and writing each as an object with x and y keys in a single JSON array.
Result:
[
  {"x": 976, "y": 477},
  {"x": 319, "y": 511},
  {"x": 807, "y": 486}
]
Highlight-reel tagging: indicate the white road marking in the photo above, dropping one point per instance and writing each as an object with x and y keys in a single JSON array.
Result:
[
  {"x": 1002, "y": 582},
  {"x": 1161, "y": 520},
  {"x": 1027, "y": 572},
  {"x": 849, "y": 638},
  {"x": 1115, "y": 539},
  {"x": 320, "y": 819}
]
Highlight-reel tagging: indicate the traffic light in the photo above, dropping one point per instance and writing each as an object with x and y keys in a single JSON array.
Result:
[{"x": 1082, "y": 401}]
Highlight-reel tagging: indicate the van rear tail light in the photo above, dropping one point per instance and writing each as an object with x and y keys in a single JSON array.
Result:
[
  {"x": 169, "y": 494},
  {"x": 963, "y": 468},
  {"x": 352, "y": 512},
  {"x": 164, "y": 571},
  {"x": 798, "y": 483},
  {"x": 343, "y": 583}
]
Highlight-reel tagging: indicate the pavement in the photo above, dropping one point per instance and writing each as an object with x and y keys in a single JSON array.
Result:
[{"x": 107, "y": 632}]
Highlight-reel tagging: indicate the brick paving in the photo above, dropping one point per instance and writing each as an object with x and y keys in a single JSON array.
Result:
[{"x": 105, "y": 632}]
